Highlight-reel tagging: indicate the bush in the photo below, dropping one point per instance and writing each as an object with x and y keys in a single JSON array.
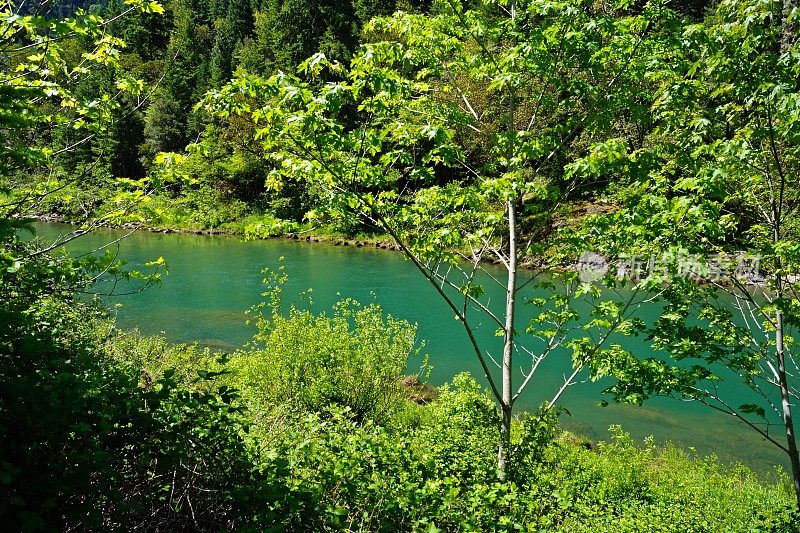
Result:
[
  {"x": 85, "y": 446},
  {"x": 627, "y": 488},
  {"x": 366, "y": 477},
  {"x": 151, "y": 356},
  {"x": 353, "y": 359}
]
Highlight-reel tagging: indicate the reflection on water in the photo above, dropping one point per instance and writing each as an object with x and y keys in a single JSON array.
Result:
[{"x": 213, "y": 280}]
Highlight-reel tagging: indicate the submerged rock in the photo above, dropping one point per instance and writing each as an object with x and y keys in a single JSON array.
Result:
[{"x": 418, "y": 392}]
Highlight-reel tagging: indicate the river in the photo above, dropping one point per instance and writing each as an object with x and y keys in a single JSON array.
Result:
[{"x": 213, "y": 280}]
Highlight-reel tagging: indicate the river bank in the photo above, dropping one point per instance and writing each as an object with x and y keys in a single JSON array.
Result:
[
  {"x": 213, "y": 280},
  {"x": 317, "y": 235},
  {"x": 589, "y": 263}
]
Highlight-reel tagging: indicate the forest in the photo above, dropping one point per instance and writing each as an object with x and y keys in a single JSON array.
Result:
[{"x": 624, "y": 171}]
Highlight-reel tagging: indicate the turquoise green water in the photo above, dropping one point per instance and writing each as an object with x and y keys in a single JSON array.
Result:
[{"x": 213, "y": 280}]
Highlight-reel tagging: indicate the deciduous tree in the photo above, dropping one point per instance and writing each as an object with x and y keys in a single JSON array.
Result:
[
  {"x": 536, "y": 84},
  {"x": 718, "y": 196}
]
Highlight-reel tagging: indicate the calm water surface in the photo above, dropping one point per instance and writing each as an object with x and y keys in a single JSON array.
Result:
[{"x": 213, "y": 280}]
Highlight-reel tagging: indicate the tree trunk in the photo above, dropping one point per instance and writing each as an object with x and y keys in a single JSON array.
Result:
[
  {"x": 786, "y": 405},
  {"x": 794, "y": 456},
  {"x": 780, "y": 349},
  {"x": 788, "y": 28},
  {"x": 508, "y": 344},
  {"x": 511, "y": 296}
]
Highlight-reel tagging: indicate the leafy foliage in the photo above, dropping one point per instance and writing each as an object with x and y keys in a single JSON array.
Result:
[
  {"x": 352, "y": 360},
  {"x": 309, "y": 429},
  {"x": 84, "y": 445},
  {"x": 712, "y": 190},
  {"x": 116, "y": 431}
]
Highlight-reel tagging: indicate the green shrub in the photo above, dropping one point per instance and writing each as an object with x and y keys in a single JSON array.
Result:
[
  {"x": 84, "y": 446},
  {"x": 352, "y": 359},
  {"x": 151, "y": 356},
  {"x": 627, "y": 488},
  {"x": 365, "y": 477},
  {"x": 459, "y": 432}
]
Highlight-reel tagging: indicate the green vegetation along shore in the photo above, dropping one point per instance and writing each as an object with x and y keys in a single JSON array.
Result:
[
  {"x": 141, "y": 433},
  {"x": 654, "y": 143}
]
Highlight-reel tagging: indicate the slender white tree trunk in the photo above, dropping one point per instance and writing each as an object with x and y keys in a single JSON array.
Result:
[
  {"x": 508, "y": 344},
  {"x": 783, "y": 382},
  {"x": 511, "y": 296},
  {"x": 786, "y": 405},
  {"x": 780, "y": 345}
]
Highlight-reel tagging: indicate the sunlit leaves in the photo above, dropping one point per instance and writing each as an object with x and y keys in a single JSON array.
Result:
[
  {"x": 726, "y": 142},
  {"x": 412, "y": 90},
  {"x": 40, "y": 86}
]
